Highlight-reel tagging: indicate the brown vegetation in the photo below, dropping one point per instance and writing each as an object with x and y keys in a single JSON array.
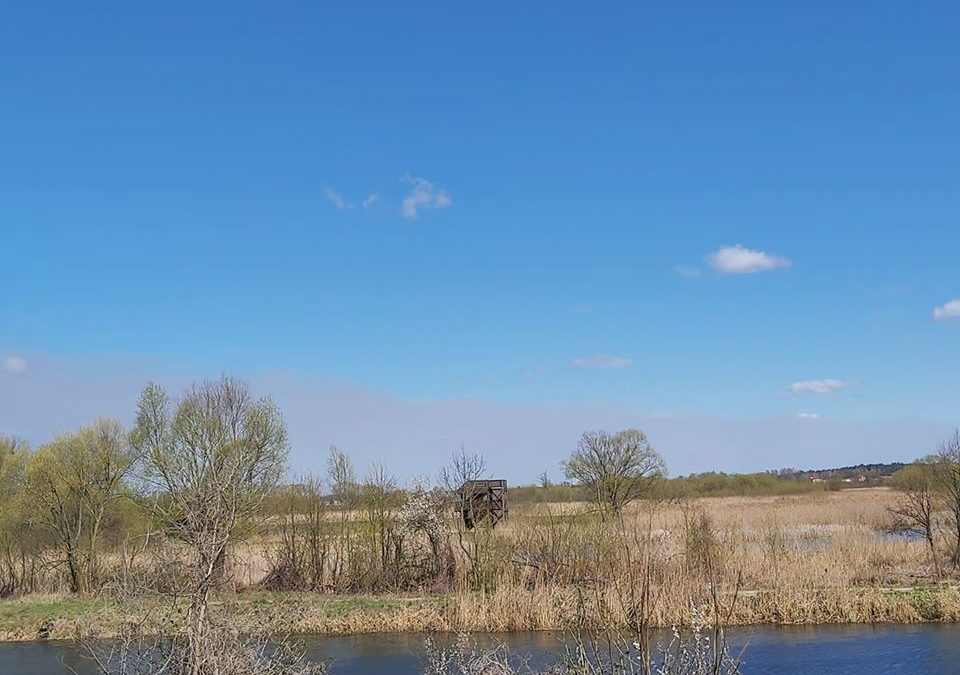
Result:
[{"x": 205, "y": 523}]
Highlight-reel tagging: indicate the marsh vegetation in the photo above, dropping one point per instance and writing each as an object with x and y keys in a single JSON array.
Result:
[{"x": 183, "y": 528}]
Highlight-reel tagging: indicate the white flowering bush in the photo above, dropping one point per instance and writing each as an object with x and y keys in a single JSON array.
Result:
[
  {"x": 423, "y": 512},
  {"x": 422, "y": 517}
]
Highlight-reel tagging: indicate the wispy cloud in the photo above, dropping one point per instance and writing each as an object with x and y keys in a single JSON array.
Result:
[
  {"x": 947, "y": 311},
  {"x": 687, "y": 272},
  {"x": 334, "y": 198},
  {"x": 370, "y": 200},
  {"x": 741, "y": 260},
  {"x": 807, "y": 416},
  {"x": 601, "y": 361},
  {"x": 423, "y": 195},
  {"x": 14, "y": 364},
  {"x": 827, "y": 386}
]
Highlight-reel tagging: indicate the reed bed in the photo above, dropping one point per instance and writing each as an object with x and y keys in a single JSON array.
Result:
[{"x": 825, "y": 557}]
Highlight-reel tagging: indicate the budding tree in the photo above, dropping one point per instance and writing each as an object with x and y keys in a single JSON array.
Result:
[
  {"x": 70, "y": 483},
  {"x": 615, "y": 468},
  {"x": 915, "y": 510},
  {"x": 946, "y": 473},
  {"x": 211, "y": 458}
]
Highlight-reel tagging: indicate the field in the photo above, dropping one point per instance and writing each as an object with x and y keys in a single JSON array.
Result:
[{"x": 822, "y": 557}]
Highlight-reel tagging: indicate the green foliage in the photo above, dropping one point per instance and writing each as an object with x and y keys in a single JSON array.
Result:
[
  {"x": 615, "y": 468},
  {"x": 929, "y": 605},
  {"x": 709, "y": 484},
  {"x": 13, "y": 455},
  {"x": 554, "y": 494},
  {"x": 914, "y": 477},
  {"x": 713, "y": 484},
  {"x": 70, "y": 484}
]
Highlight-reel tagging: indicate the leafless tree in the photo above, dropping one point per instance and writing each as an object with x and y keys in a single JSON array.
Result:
[
  {"x": 342, "y": 477},
  {"x": 916, "y": 507},
  {"x": 135, "y": 651},
  {"x": 464, "y": 468},
  {"x": 211, "y": 458},
  {"x": 616, "y": 468},
  {"x": 299, "y": 562},
  {"x": 381, "y": 500},
  {"x": 345, "y": 491},
  {"x": 946, "y": 472}
]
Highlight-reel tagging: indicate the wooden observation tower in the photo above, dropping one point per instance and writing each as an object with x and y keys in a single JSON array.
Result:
[{"x": 483, "y": 501}]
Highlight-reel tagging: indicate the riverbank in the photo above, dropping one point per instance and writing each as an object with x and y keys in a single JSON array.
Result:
[
  {"x": 61, "y": 618},
  {"x": 811, "y": 559}
]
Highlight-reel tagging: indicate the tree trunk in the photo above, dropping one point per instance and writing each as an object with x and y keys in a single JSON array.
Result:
[
  {"x": 933, "y": 551},
  {"x": 73, "y": 568},
  {"x": 197, "y": 615}
]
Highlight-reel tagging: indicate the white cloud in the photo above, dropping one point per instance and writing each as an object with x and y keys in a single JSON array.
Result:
[
  {"x": 601, "y": 361},
  {"x": 14, "y": 364},
  {"x": 370, "y": 200},
  {"x": 336, "y": 199},
  {"x": 423, "y": 195},
  {"x": 948, "y": 311},
  {"x": 687, "y": 272},
  {"x": 741, "y": 260},
  {"x": 807, "y": 416},
  {"x": 817, "y": 386}
]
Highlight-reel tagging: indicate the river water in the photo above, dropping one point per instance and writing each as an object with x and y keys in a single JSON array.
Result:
[{"x": 930, "y": 649}]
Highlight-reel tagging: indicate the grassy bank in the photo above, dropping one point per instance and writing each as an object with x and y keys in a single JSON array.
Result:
[
  {"x": 59, "y": 618},
  {"x": 815, "y": 558}
]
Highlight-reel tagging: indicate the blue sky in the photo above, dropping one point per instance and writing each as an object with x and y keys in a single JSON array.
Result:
[{"x": 532, "y": 208}]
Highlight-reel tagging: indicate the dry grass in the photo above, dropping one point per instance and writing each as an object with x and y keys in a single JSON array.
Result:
[{"x": 816, "y": 558}]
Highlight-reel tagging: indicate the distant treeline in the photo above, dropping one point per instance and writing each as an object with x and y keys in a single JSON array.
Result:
[{"x": 719, "y": 484}]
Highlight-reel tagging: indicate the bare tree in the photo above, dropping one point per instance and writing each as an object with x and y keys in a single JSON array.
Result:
[
  {"x": 299, "y": 562},
  {"x": 136, "y": 651},
  {"x": 946, "y": 472},
  {"x": 464, "y": 468},
  {"x": 211, "y": 458},
  {"x": 616, "y": 468},
  {"x": 381, "y": 500},
  {"x": 915, "y": 509},
  {"x": 345, "y": 492},
  {"x": 456, "y": 478},
  {"x": 342, "y": 477}
]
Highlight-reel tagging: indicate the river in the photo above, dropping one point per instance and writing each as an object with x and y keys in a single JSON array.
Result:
[{"x": 928, "y": 649}]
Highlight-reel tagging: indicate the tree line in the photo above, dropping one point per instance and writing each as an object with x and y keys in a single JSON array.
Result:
[{"x": 95, "y": 505}]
